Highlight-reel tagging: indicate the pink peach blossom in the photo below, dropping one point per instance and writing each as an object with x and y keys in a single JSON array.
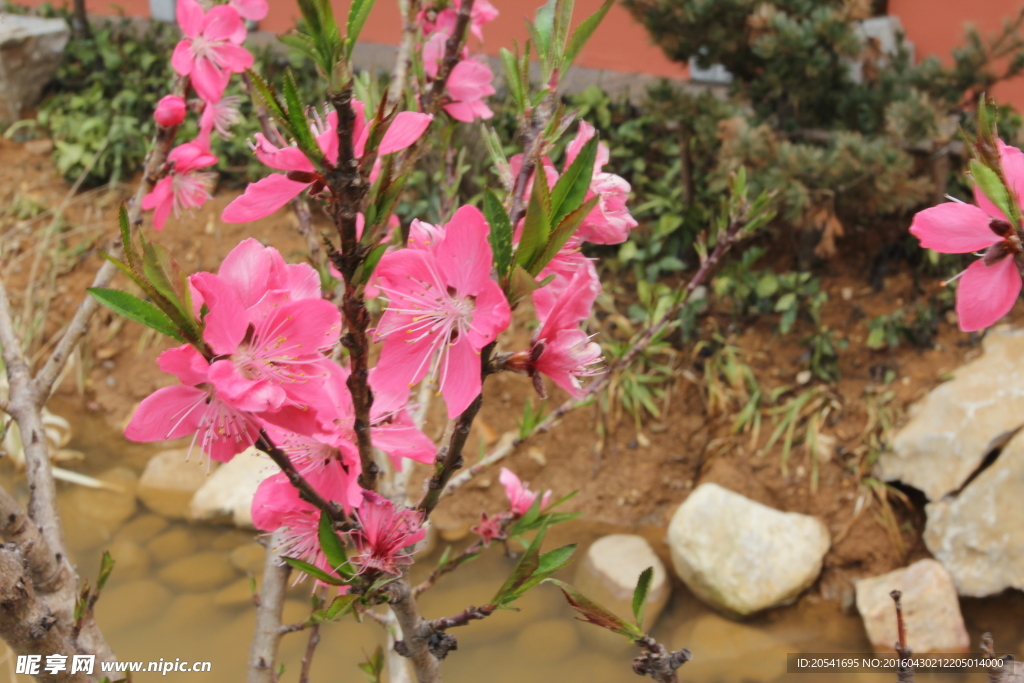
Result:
[
  {"x": 482, "y": 13},
  {"x": 210, "y": 47},
  {"x": 520, "y": 498},
  {"x": 468, "y": 83},
  {"x": 384, "y": 535},
  {"x": 443, "y": 308},
  {"x": 170, "y": 111},
  {"x": 990, "y": 286},
  {"x": 610, "y": 221},
  {"x": 561, "y": 350},
  {"x": 185, "y": 187},
  {"x": 219, "y": 116}
]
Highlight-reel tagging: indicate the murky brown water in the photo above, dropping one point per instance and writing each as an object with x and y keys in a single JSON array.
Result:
[{"x": 179, "y": 593}]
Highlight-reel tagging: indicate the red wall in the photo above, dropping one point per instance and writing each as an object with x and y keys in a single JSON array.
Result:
[{"x": 937, "y": 26}]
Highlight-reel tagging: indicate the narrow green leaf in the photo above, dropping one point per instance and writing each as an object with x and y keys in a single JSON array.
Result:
[
  {"x": 643, "y": 587},
  {"x": 302, "y": 44},
  {"x": 136, "y": 309},
  {"x": 501, "y": 232},
  {"x": 333, "y": 548},
  {"x": 571, "y": 188},
  {"x": 583, "y": 33},
  {"x": 357, "y": 15},
  {"x": 314, "y": 571},
  {"x": 515, "y": 85},
  {"x": 596, "y": 614},
  {"x": 563, "y": 17},
  {"x": 520, "y": 285},
  {"x": 370, "y": 264},
  {"x": 550, "y": 562},
  {"x": 988, "y": 182},
  {"x": 528, "y": 521},
  {"x": 561, "y": 234},
  {"x": 269, "y": 99},
  {"x": 106, "y": 567},
  {"x": 126, "y": 237},
  {"x": 528, "y": 564},
  {"x": 300, "y": 125},
  {"x": 538, "y": 224},
  {"x": 340, "y": 606},
  {"x": 542, "y": 29}
]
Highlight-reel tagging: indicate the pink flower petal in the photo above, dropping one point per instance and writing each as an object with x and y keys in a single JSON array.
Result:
[
  {"x": 406, "y": 129},
  {"x": 253, "y": 10},
  {"x": 262, "y": 198},
  {"x": 221, "y": 22},
  {"x": 182, "y": 58},
  {"x": 226, "y": 323},
  {"x": 190, "y": 17},
  {"x": 987, "y": 293},
  {"x": 167, "y": 413},
  {"x": 286, "y": 158},
  {"x": 464, "y": 256},
  {"x": 460, "y": 376},
  {"x": 208, "y": 80},
  {"x": 234, "y": 58},
  {"x": 953, "y": 228},
  {"x": 246, "y": 268},
  {"x": 185, "y": 363}
]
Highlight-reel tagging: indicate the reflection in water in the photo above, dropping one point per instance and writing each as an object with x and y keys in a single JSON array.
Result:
[{"x": 183, "y": 592}]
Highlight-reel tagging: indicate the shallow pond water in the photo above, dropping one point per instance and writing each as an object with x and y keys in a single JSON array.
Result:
[{"x": 181, "y": 591}]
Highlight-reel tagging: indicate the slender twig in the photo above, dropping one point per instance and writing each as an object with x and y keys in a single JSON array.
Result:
[
  {"x": 658, "y": 661},
  {"x": 904, "y": 667},
  {"x": 306, "y": 490},
  {"x": 452, "y": 56},
  {"x": 307, "y": 658},
  {"x": 269, "y": 608},
  {"x": 410, "y": 30},
  {"x": 416, "y": 632}
]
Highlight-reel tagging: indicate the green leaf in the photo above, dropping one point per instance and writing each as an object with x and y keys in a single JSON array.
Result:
[
  {"x": 767, "y": 286},
  {"x": 332, "y": 547},
  {"x": 126, "y": 237},
  {"x": 571, "y": 188},
  {"x": 526, "y": 567},
  {"x": 501, "y": 232},
  {"x": 302, "y": 44},
  {"x": 136, "y": 309},
  {"x": 520, "y": 285},
  {"x": 596, "y": 614},
  {"x": 315, "y": 572},
  {"x": 561, "y": 234},
  {"x": 583, "y": 33},
  {"x": 269, "y": 99},
  {"x": 370, "y": 264},
  {"x": 515, "y": 85},
  {"x": 643, "y": 587},
  {"x": 785, "y": 302},
  {"x": 542, "y": 29},
  {"x": 537, "y": 226},
  {"x": 357, "y": 15},
  {"x": 988, "y": 182},
  {"x": 106, "y": 567},
  {"x": 300, "y": 126},
  {"x": 373, "y": 667}
]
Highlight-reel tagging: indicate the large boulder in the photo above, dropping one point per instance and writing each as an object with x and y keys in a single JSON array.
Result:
[
  {"x": 610, "y": 569},
  {"x": 170, "y": 480},
  {"x": 741, "y": 557},
  {"x": 31, "y": 49},
  {"x": 931, "y": 609},
  {"x": 227, "y": 495},
  {"x": 978, "y": 535},
  {"x": 956, "y": 425}
]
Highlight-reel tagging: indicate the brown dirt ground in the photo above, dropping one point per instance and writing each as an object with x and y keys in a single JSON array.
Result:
[{"x": 638, "y": 481}]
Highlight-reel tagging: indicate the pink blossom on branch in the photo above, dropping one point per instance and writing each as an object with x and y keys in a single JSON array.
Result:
[
  {"x": 185, "y": 187},
  {"x": 210, "y": 47},
  {"x": 443, "y": 309},
  {"x": 266, "y": 196},
  {"x": 520, "y": 498},
  {"x": 443, "y": 22},
  {"x": 561, "y": 350},
  {"x": 610, "y": 221},
  {"x": 384, "y": 535},
  {"x": 990, "y": 286},
  {"x": 468, "y": 83}
]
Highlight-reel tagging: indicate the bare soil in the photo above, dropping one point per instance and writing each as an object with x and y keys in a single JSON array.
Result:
[{"x": 636, "y": 481}]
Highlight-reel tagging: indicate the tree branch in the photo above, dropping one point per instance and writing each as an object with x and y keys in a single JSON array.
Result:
[
  {"x": 269, "y": 608},
  {"x": 295, "y": 478}
]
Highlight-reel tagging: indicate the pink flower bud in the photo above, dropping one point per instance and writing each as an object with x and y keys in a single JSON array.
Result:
[{"x": 170, "y": 111}]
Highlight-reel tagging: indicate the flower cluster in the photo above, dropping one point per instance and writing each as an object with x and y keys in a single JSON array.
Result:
[
  {"x": 469, "y": 81},
  {"x": 209, "y": 52}
]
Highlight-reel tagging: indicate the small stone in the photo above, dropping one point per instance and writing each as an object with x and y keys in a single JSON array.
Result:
[
  {"x": 249, "y": 558},
  {"x": 548, "y": 641},
  {"x": 536, "y": 455},
  {"x": 41, "y": 147},
  {"x": 171, "y": 545},
  {"x": 740, "y": 556},
  {"x": 200, "y": 572},
  {"x": 658, "y": 428},
  {"x": 610, "y": 569},
  {"x": 93, "y": 516},
  {"x": 847, "y": 293},
  {"x": 803, "y": 377},
  {"x": 482, "y": 483},
  {"x": 143, "y": 528},
  {"x": 131, "y": 603},
  {"x": 227, "y": 495},
  {"x": 236, "y": 594},
  {"x": 931, "y": 609},
  {"x": 169, "y": 482}
]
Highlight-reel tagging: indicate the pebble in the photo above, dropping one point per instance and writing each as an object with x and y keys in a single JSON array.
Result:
[
  {"x": 130, "y": 603},
  {"x": 171, "y": 545},
  {"x": 143, "y": 528},
  {"x": 249, "y": 558},
  {"x": 169, "y": 482},
  {"x": 200, "y": 572}
]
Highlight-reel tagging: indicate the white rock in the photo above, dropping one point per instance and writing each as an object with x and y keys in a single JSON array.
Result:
[
  {"x": 227, "y": 495},
  {"x": 740, "y": 556},
  {"x": 931, "y": 609},
  {"x": 169, "y": 481},
  {"x": 31, "y": 49},
  {"x": 609, "y": 572},
  {"x": 953, "y": 428},
  {"x": 978, "y": 535}
]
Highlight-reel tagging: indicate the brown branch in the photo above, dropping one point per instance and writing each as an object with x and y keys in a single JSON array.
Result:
[
  {"x": 452, "y": 56},
  {"x": 451, "y": 565},
  {"x": 348, "y": 188},
  {"x": 904, "y": 669},
  {"x": 269, "y": 608},
  {"x": 28, "y": 626},
  {"x": 44, "y": 566},
  {"x": 462, "y": 618},
  {"x": 658, "y": 662},
  {"x": 410, "y": 30},
  {"x": 416, "y": 632},
  {"x": 307, "y": 658}
]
